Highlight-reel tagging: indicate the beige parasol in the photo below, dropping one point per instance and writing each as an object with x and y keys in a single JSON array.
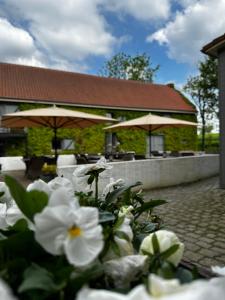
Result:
[
  {"x": 53, "y": 117},
  {"x": 151, "y": 123}
]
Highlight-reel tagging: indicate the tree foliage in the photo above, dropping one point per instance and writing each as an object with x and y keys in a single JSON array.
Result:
[
  {"x": 124, "y": 66},
  {"x": 204, "y": 92}
]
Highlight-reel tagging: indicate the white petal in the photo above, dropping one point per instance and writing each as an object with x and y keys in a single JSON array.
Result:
[
  {"x": 91, "y": 294},
  {"x": 3, "y": 210},
  {"x": 5, "y": 293},
  {"x": 218, "y": 270},
  {"x": 6, "y": 197},
  {"x": 140, "y": 293},
  {"x": 87, "y": 217},
  {"x": 13, "y": 215},
  {"x": 51, "y": 227},
  {"x": 160, "y": 287},
  {"x": 126, "y": 269},
  {"x": 39, "y": 185},
  {"x": 62, "y": 196},
  {"x": 58, "y": 182},
  {"x": 81, "y": 251}
]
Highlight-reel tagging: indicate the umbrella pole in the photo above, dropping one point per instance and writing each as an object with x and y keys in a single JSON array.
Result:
[
  {"x": 55, "y": 143},
  {"x": 150, "y": 142}
]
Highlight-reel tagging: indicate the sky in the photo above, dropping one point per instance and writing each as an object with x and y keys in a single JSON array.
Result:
[{"x": 80, "y": 35}]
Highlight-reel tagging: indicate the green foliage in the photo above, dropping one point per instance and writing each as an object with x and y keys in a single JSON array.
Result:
[
  {"x": 92, "y": 139},
  {"x": 124, "y": 66},
  {"x": 203, "y": 89},
  {"x": 211, "y": 143}
]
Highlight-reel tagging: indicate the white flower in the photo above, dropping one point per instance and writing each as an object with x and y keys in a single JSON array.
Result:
[
  {"x": 126, "y": 269},
  {"x": 6, "y": 197},
  {"x": 91, "y": 294},
  {"x": 5, "y": 293},
  {"x": 125, "y": 246},
  {"x": 59, "y": 182},
  {"x": 13, "y": 214},
  {"x": 112, "y": 184},
  {"x": 196, "y": 290},
  {"x": 125, "y": 211},
  {"x": 10, "y": 215},
  {"x": 218, "y": 270},
  {"x": 3, "y": 211},
  {"x": 39, "y": 185},
  {"x": 160, "y": 287},
  {"x": 62, "y": 196},
  {"x": 73, "y": 232},
  {"x": 166, "y": 239},
  {"x": 80, "y": 177}
]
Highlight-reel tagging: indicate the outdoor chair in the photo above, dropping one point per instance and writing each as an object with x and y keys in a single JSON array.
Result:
[
  {"x": 34, "y": 167},
  {"x": 128, "y": 156},
  {"x": 81, "y": 159}
]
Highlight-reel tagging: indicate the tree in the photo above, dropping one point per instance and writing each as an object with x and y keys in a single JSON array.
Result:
[
  {"x": 204, "y": 92},
  {"x": 124, "y": 66}
]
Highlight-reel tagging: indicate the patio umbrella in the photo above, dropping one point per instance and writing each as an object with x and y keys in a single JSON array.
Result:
[
  {"x": 151, "y": 123},
  {"x": 52, "y": 117}
]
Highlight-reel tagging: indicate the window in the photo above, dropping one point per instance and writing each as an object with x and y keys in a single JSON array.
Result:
[{"x": 63, "y": 144}]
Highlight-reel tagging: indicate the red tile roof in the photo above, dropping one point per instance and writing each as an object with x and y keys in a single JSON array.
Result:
[{"x": 30, "y": 84}]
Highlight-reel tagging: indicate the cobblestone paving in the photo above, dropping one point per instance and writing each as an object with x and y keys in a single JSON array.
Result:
[{"x": 196, "y": 213}]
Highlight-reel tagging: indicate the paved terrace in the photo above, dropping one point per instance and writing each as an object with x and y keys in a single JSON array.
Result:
[{"x": 196, "y": 213}]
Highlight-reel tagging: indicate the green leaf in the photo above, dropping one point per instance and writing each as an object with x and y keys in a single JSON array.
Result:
[
  {"x": 155, "y": 244},
  {"x": 111, "y": 197},
  {"x": 20, "y": 225},
  {"x": 149, "y": 205},
  {"x": 115, "y": 248},
  {"x": 166, "y": 270},
  {"x": 2, "y": 237},
  {"x": 91, "y": 179},
  {"x": 39, "y": 278},
  {"x": 29, "y": 203},
  {"x": 167, "y": 253},
  {"x": 105, "y": 216},
  {"x": 184, "y": 275},
  {"x": 122, "y": 235},
  {"x": 118, "y": 223}
]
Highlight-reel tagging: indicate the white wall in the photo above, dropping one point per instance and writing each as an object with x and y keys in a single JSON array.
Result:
[
  {"x": 162, "y": 172},
  {"x": 12, "y": 163}
]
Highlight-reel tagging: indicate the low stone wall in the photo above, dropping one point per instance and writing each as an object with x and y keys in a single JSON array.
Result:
[{"x": 156, "y": 173}]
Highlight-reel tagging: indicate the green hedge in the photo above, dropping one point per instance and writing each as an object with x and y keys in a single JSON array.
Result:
[{"x": 92, "y": 139}]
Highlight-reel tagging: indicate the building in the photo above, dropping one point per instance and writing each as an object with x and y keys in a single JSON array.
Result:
[
  {"x": 23, "y": 87},
  {"x": 216, "y": 49}
]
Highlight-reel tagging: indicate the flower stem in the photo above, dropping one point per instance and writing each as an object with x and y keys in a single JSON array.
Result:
[{"x": 96, "y": 188}]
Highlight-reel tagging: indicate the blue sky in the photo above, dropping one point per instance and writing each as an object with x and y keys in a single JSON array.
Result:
[{"x": 79, "y": 35}]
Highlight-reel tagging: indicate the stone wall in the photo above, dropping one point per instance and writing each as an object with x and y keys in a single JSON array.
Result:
[{"x": 156, "y": 173}]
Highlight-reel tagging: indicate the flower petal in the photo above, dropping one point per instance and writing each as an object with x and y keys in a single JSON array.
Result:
[
  {"x": 59, "y": 182},
  {"x": 82, "y": 250},
  {"x": 39, "y": 185},
  {"x": 51, "y": 226},
  {"x": 62, "y": 196}
]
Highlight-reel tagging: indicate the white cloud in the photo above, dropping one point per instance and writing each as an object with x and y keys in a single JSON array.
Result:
[
  {"x": 144, "y": 10},
  {"x": 64, "y": 32},
  {"x": 191, "y": 29},
  {"x": 17, "y": 45}
]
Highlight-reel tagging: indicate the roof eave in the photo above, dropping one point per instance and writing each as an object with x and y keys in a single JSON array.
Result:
[
  {"x": 183, "y": 111},
  {"x": 213, "y": 48}
]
